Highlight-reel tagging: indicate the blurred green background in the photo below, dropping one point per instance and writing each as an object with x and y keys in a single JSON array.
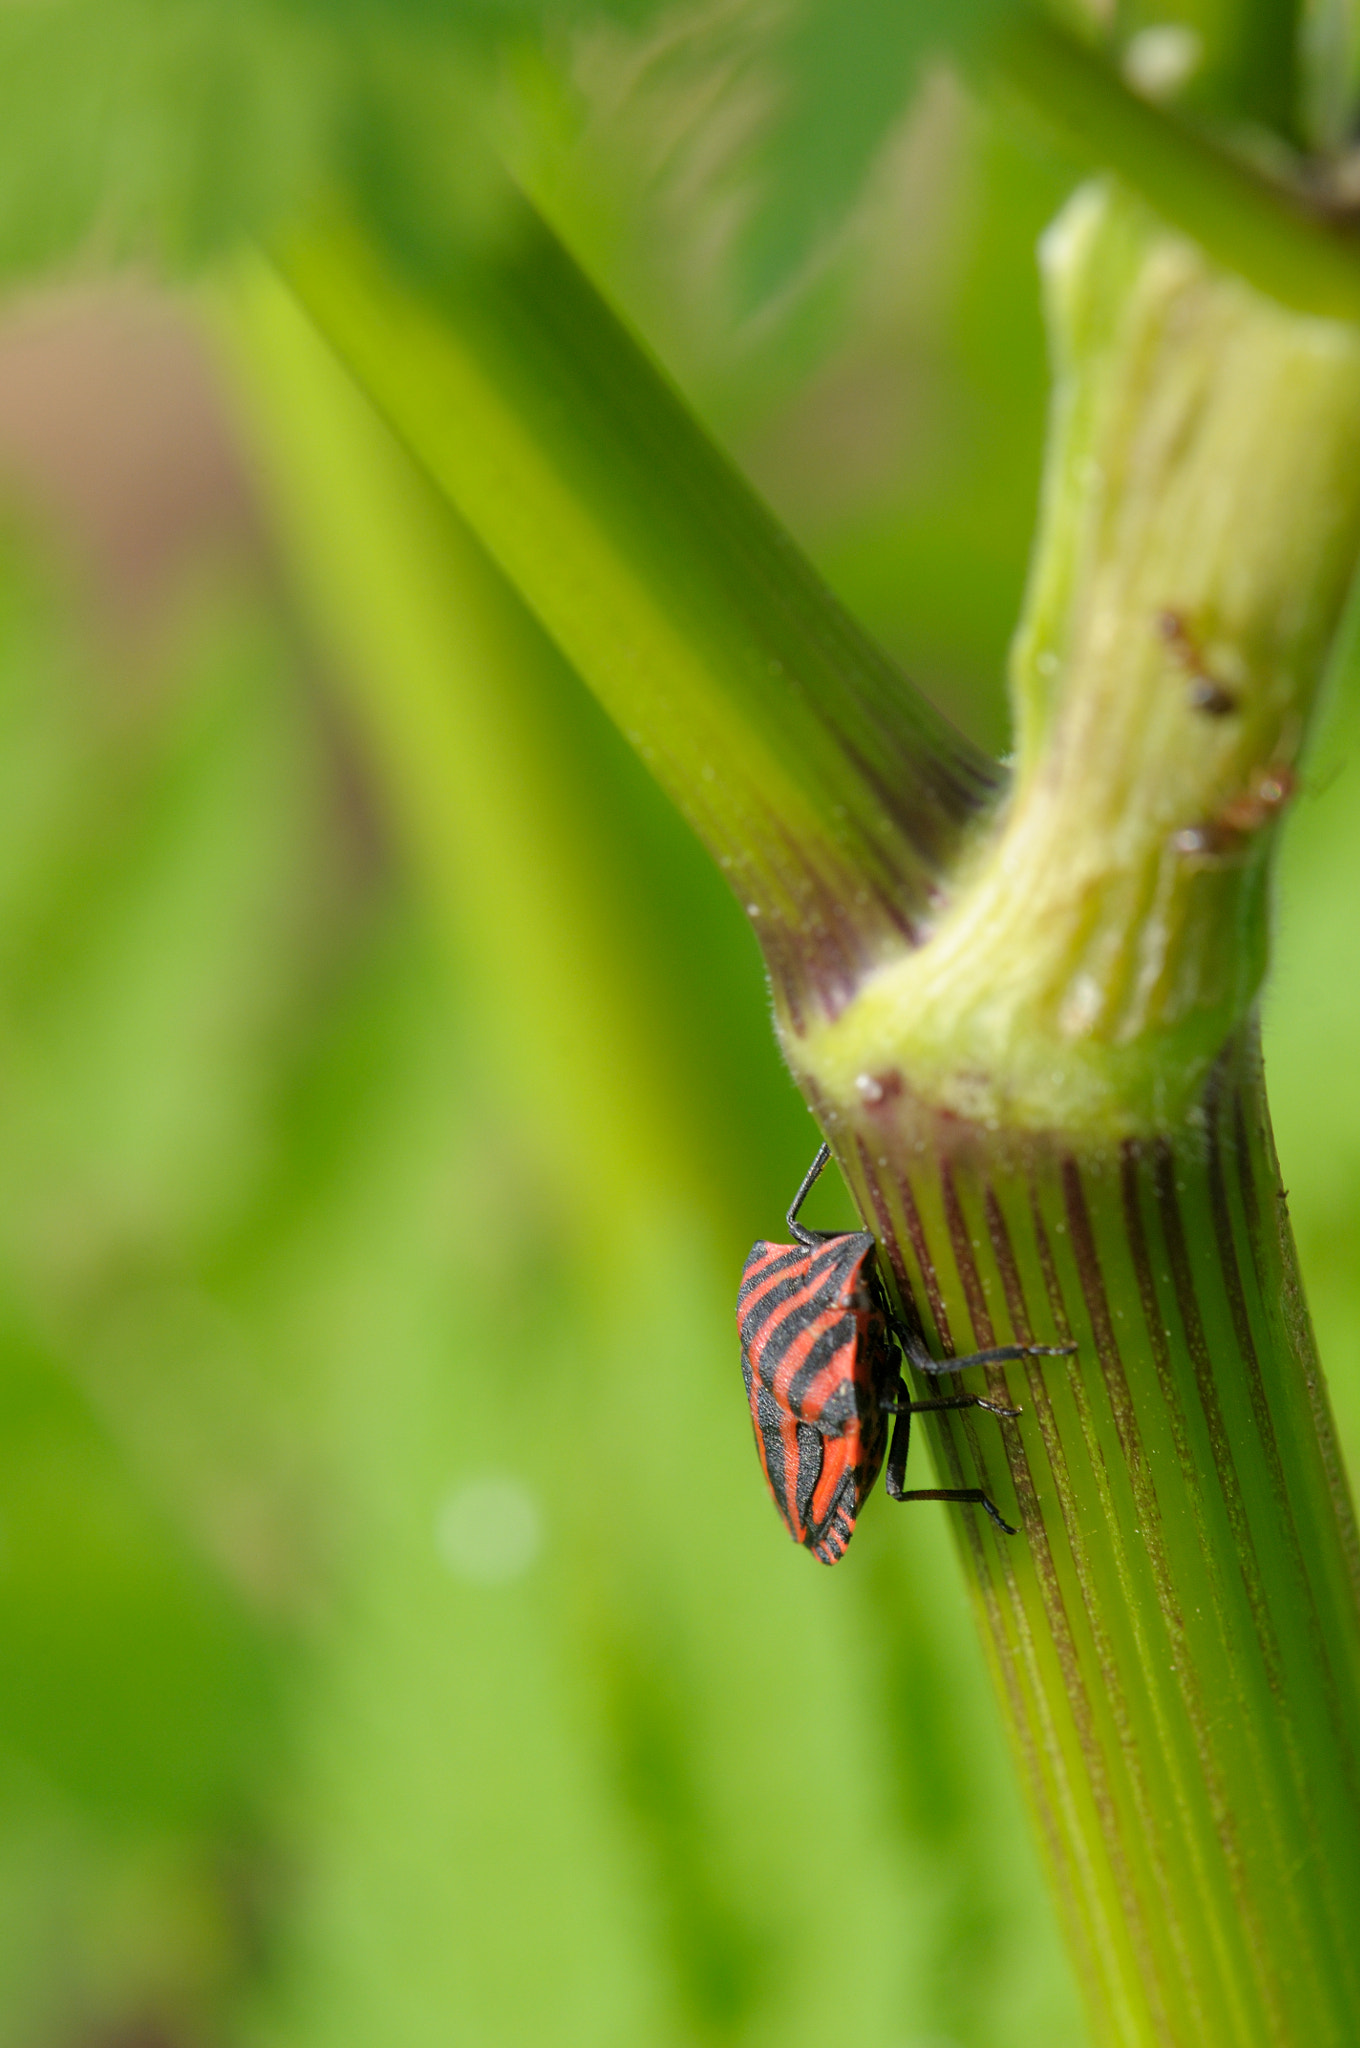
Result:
[{"x": 396, "y": 1643}]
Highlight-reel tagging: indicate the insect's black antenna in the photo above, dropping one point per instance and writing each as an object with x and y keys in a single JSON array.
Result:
[{"x": 810, "y": 1238}]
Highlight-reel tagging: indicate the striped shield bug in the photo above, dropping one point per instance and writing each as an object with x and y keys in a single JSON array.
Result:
[{"x": 821, "y": 1354}]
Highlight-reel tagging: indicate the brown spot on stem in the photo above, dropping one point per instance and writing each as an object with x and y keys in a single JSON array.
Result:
[
  {"x": 1226, "y": 836},
  {"x": 1208, "y": 693},
  {"x": 876, "y": 1089}
]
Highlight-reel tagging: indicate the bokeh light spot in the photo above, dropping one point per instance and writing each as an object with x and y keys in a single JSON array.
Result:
[{"x": 489, "y": 1529}]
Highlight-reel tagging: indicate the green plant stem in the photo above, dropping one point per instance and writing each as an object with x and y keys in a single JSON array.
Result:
[
  {"x": 1053, "y": 1117},
  {"x": 1175, "y": 1635},
  {"x": 1268, "y": 234},
  {"x": 828, "y": 789}
]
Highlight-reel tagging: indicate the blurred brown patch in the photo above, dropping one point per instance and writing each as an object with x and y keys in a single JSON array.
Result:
[
  {"x": 116, "y": 443},
  {"x": 111, "y": 428}
]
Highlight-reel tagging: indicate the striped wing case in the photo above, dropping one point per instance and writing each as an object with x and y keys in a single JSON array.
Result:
[{"x": 816, "y": 1355}]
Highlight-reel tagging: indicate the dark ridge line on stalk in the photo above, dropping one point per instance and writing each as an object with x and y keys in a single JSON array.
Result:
[
  {"x": 1147, "y": 1506},
  {"x": 1012, "y": 1286},
  {"x": 1082, "y": 1239},
  {"x": 1018, "y": 1310},
  {"x": 1064, "y": 1643},
  {"x": 1022, "y": 1476},
  {"x": 965, "y": 1423},
  {"x": 1048, "y": 1266},
  {"x": 1055, "y": 1608},
  {"x": 1192, "y": 1324},
  {"x": 888, "y": 1237},
  {"x": 1054, "y": 1756},
  {"x": 1100, "y": 1938},
  {"x": 1142, "y": 1485},
  {"x": 970, "y": 1279},
  {"x": 1298, "y": 1323},
  {"x": 1057, "y": 1308},
  {"x": 1183, "y": 1280},
  {"x": 1059, "y": 1621},
  {"x": 1251, "y": 1206},
  {"x": 929, "y": 1277},
  {"x": 1049, "y": 1782},
  {"x": 1132, "y": 1172},
  {"x": 984, "y": 1336},
  {"x": 1225, "y": 1238}
]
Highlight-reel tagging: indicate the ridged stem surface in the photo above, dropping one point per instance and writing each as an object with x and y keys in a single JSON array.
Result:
[{"x": 1176, "y": 1632}]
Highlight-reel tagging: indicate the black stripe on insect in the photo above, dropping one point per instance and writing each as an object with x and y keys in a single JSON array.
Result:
[{"x": 821, "y": 1354}]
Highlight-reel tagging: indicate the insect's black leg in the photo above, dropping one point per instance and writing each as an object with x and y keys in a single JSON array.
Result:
[
  {"x": 968, "y": 1496},
  {"x": 948, "y": 1401},
  {"x": 895, "y": 1471},
  {"x": 804, "y": 1236},
  {"x": 1000, "y": 1354}
]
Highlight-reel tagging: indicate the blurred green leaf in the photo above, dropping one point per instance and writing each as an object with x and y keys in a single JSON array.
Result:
[
  {"x": 129, "y": 1675},
  {"x": 1329, "y": 68},
  {"x": 142, "y": 1572},
  {"x": 1312, "y": 1027},
  {"x": 842, "y": 77},
  {"x": 167, "y": 129}
]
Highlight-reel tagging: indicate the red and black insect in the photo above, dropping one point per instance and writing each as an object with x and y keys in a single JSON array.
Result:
[{"x": 821, "y": 1354}]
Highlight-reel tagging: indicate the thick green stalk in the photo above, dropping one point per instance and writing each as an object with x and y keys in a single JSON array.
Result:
[
  {"x": 1053, "y": 1116},
  {"x": 828, "y": 789},
  {"x": 1175, "y": 1634}
]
